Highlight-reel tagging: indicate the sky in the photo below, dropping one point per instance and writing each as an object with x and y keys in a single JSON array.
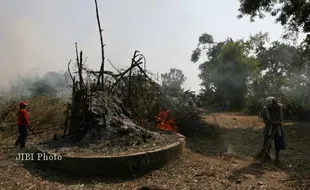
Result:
[{"x": 39, "y": 35}]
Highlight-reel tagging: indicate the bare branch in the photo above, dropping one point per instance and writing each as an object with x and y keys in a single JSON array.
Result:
[{"x": 102, "y": 45}]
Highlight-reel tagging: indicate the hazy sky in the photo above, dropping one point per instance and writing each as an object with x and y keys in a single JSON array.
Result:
[{"x": 41, "y": 33}]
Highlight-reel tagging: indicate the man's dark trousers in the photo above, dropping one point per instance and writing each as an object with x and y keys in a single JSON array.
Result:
[{"x": 22, "y": 138}]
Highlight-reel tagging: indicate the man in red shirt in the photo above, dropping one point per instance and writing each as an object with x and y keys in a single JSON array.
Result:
[{"x": 23, "y": 124}]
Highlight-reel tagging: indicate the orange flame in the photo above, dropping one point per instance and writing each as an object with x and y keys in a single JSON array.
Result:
[{"x": 164, "y": 122}]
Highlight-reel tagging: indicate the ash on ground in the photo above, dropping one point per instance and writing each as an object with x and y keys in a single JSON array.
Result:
[{"x": 112, "y": 134}]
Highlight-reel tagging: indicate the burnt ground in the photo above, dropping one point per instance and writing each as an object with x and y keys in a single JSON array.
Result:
[
  {"x": 133, "y": 139},
  {"x": 223, "y": 162}
]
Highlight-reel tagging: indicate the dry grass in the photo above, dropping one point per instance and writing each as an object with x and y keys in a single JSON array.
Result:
[
  {"x": 46, "y": 114},
  {"x": 224, "y": 162}
]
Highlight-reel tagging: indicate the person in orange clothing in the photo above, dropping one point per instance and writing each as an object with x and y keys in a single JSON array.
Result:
[{"x": 23, "y": 125}]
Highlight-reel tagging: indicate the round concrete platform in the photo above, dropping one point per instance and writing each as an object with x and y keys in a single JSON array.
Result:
[{"x": 116, "y": 166}]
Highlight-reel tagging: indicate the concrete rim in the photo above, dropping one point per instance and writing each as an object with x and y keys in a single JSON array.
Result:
[
  {"x": 117, "y": 166},
  {"x": 182, "y": 138}
]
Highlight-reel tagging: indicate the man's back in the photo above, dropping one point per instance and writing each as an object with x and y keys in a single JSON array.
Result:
[
  {"x": 23, "y": 117},
  {"x": 273, "y": 114}
]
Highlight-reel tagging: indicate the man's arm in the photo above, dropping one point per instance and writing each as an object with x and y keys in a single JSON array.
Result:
[{"x": 264, "y": 116}]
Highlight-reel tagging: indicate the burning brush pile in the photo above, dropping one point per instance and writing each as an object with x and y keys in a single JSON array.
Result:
[
  {"x": 117, "y": 114},
  {"x": 111, "y": 132}
]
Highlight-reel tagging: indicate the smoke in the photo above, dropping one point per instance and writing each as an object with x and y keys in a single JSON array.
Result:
[
  {"x": 21, "y": 44},
  {"x": 52, "y": 83},
  {"x": 298, "y": 90}
]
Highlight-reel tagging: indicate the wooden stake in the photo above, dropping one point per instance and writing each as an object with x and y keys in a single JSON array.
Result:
[{"x": 102, "y": 47}]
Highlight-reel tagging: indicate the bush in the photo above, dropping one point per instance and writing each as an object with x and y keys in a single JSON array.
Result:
[
  {"x": 41, "y": 87},
  {"x": 48, "y": 110}
]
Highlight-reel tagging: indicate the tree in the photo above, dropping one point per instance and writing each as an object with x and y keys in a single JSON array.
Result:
[
  {"x": 227, "y": 72},
  {"x": 59, "y": 80},
  {"x": 283, "y": 72},
  {"x": 243, "y": 72},
  {"x": 276, "y": 64},
  {"x": 293, "y": 15},
  {"x": 49, "y": 83},
  {"x": 41, "y": 87},
  {"x": 173, "y": 80},
  {"x": 204, "y": 41},
  {"x": 298, "y": 90}
]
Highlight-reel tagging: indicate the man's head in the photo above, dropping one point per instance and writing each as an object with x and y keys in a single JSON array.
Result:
[
  {"x": 274, "y": 103},
  {"x": 22, "y": 104},
  {"x": 289, "y": 106},
  {"x": 271, "y": 101}
]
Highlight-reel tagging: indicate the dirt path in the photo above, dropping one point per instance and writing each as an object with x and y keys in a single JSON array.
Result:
[
  {"x": 241, "y": 139},
  {"x": 224, "y": 162}
]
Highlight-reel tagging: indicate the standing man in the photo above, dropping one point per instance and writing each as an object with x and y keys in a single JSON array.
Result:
[
  {"x": 273, "y": 115},
  {"x": 23, "y": 124}
]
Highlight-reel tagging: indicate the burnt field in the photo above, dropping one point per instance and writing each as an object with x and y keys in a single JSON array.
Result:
[
  {"x": 151, "y": 128},
  {"x": 224, "y": 161}
]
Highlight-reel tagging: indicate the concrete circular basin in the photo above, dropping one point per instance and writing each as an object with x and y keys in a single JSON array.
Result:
[{"x": 114, "y": 166}]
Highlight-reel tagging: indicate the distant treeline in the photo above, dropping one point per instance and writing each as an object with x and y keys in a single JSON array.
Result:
[{"x": 240, "y": 73}]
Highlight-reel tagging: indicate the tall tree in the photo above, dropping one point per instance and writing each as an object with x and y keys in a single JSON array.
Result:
[
  {"x": 298, "y": 90},
  {"x": 174, "y": 79},
  {"x": 227, "y": 71},
  {"x": 276, "y": 65},
  {"x": 293, "y": 15}
]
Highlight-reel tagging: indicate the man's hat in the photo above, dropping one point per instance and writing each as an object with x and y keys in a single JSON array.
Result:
[
  {"x": 270, "y": 100},
  {"x": 23, "y": 103}
]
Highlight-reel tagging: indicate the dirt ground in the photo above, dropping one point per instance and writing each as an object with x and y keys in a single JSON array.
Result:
[{"x": 223, "y": 162}]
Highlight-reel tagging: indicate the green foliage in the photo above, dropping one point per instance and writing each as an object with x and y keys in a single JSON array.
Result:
[
  {"x": 203, "y": 41},
  {"x": 173, "y": 80},
  {"x": 206, "y": 39},
  {"x": 227, "y": 71},
  {"x": 256, "y": 43},
  {"x": 242, "y": 72},
  {"x": 277, "y": 62},
  {"x": 293, "y": 15}
]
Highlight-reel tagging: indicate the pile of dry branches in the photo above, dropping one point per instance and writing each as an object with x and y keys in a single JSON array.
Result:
[
  {"x": 133, "y": 87},
  {"x": 141, "y": 98}
]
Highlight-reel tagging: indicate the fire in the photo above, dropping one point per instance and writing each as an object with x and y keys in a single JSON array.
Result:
[{"x": 164, "y": 122}]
